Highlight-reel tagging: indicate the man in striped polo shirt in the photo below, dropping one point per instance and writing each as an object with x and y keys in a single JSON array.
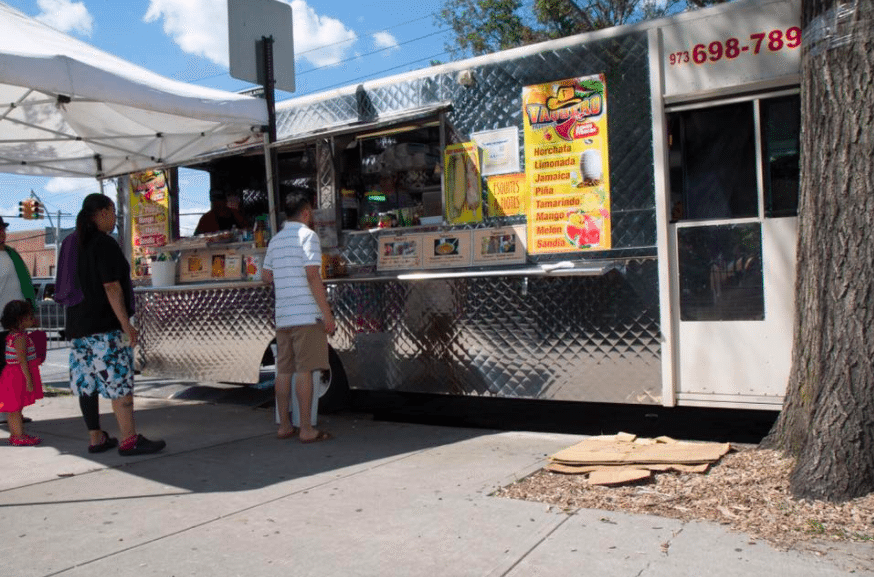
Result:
[{"x": 303, "y": 315}]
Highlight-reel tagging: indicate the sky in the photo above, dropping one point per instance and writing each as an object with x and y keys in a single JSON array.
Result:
[{"x": 336, "y": 43}]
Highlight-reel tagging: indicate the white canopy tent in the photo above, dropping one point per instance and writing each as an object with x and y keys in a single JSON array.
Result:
[{"x": 68, "y": 109}]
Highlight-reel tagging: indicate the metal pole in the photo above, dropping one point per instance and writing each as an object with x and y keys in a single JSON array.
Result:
[
  {"x": 271, "y": 157},
  {"x": 57, "y": 241}
]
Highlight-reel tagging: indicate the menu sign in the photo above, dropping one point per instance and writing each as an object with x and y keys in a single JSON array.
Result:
[
  {"x": 566, "y": 165},
  {"x": 399, "y": 252},
  {"x": 195, "y": 266},
  {"x": 150, "y": 214},
  {"x": 504, "y": 245},
  {"x": 507, "y": 194},
  {"x": 461, "y": 177},
  {"x": 211, "y": 265},
  {"x": 446, "y": 250}
]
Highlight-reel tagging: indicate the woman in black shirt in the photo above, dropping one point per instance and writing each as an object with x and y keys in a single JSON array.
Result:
[{"x": 102, "y": 336}]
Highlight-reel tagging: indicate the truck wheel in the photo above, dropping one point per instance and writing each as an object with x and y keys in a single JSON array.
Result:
[{"x": 333, "y": 387}]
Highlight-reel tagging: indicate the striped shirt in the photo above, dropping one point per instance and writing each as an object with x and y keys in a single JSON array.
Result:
[{"x": 294, "y": 248}]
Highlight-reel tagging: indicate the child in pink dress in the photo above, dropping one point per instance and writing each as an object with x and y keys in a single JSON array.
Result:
[{"x": 20, "y": 383}]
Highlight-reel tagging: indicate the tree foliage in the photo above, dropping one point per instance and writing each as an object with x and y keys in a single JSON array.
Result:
[{"x": 483, "y": 26}]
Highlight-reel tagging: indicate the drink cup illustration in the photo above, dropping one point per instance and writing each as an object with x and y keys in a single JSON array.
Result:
[{"x": 590, "y": 166}]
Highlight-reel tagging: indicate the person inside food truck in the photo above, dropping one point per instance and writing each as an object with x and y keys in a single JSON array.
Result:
[{"x": 220, "y": 216}]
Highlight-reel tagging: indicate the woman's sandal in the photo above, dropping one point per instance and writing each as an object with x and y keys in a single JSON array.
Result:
[
  {"x": 108, "y": 443},
  {"x": 321, "y": 436},
  {"x": 288, "y": 435}
]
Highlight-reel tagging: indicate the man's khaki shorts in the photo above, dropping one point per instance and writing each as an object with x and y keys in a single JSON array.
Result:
[{"x": 301, "y": 349}]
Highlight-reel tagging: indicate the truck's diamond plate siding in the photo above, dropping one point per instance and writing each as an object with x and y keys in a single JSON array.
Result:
[
  {"x": 567, "y": 338},
  {"x": 205, "y": 334}
]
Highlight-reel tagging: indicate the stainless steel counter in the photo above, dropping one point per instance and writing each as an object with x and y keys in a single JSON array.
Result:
[
  {"x": 581, "y": 332},
  {"x": 207, "y": 331}
]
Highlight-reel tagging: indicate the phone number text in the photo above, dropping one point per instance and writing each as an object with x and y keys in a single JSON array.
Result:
[{"x": 773, "y": 41}]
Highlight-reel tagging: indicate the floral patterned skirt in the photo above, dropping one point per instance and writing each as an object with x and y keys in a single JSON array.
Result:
[{"x": 102, "y": 363}]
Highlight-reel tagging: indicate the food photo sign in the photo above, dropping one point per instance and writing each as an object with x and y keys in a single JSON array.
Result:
[
  {"x": 505, "y": 245},
  {"x": 446, "y": 250},
  {"x": 399, "y": 252},
  {"x": 566, "y": 165}
]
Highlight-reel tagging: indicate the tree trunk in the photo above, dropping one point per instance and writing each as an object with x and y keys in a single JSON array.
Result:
[{"x": 827, "y": 421}]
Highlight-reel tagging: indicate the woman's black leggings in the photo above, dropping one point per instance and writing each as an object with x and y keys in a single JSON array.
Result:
[{"x": 90, "y": 411}]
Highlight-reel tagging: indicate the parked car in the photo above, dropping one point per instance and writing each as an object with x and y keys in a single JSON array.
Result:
[{"x": 49, "y": 314}]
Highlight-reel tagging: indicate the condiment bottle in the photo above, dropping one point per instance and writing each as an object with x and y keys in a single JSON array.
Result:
[{"x": 259, "y": 232}]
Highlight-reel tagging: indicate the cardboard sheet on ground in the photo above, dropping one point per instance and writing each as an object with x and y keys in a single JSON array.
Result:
[
  {"x": 624, "y": 458},
  {"x": 581, "y": 469},
  {"x": 600, "y": 450}
]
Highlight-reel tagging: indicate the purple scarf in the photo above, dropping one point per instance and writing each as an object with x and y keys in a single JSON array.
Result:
[{"x": 67, "y": 291}]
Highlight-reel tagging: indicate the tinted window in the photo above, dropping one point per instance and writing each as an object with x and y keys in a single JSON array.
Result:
[
  {"x": 781, "y": 129},
  {"x": 713, "y": 156},
  {"x": 721, "y": 273}
]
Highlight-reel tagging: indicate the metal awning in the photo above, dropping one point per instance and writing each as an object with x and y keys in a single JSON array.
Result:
[{"x": 412, "y": 117}]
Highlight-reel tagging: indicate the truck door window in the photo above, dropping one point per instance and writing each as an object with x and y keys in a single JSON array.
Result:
[
  {"x": 721, "y": 272},
  {"x": 781, "y": 129},
  {"x": 713, "y": 154}
]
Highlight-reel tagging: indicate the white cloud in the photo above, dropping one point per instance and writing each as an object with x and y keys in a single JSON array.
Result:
[
  {"x": 65, "y": 184},
  {"x": 187, "y": 224},
  {"x": 66, "y": 16},
  {"x": 385, "y": 40},
  {"x": 201, "y": 27},
  {"x": 198, "y": 26},
  {"x": 332, "y": 39}
]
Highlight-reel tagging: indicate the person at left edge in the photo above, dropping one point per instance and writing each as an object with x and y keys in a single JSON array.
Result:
[
  {"x": 100, "y": 331},
  {"x": 15, "y": 282}
]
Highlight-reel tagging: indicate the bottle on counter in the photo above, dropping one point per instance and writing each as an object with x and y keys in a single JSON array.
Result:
[{"x": 260, "y": 234}]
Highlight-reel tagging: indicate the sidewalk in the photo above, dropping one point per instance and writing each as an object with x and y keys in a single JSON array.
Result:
[{"x": 382, "y": 499}]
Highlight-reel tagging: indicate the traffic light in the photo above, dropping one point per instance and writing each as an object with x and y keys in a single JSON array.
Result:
[
  {"x": 25, "y": 208},
  {"x": 37, "y": 210}
]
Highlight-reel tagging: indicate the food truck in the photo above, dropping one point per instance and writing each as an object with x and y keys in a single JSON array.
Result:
[{"x": 608, "y": 217}]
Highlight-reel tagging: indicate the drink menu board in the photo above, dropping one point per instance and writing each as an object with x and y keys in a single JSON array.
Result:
[
  {"x": 150, "y": 216},
  {"x": 566, "y": 165}
]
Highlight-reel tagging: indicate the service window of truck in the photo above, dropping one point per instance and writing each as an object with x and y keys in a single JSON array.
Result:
[{"x": 608, "y": 217}]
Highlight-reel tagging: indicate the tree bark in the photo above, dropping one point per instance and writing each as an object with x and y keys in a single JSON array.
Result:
[{"x": 827, "y": 421}]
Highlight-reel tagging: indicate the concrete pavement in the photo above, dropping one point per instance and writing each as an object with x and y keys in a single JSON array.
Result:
[{"x": 382, "y": 499}]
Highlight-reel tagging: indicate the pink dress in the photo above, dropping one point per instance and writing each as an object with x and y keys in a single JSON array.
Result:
[{"x": 14, "y": 395}]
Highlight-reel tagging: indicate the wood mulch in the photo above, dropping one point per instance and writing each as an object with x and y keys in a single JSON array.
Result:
[{"x": 748, "y": 490}]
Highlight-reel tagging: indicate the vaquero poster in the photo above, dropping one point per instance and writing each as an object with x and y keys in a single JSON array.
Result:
[
  {"x": 566, "y": 165},
  {"x": 150, "y": 216}
]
